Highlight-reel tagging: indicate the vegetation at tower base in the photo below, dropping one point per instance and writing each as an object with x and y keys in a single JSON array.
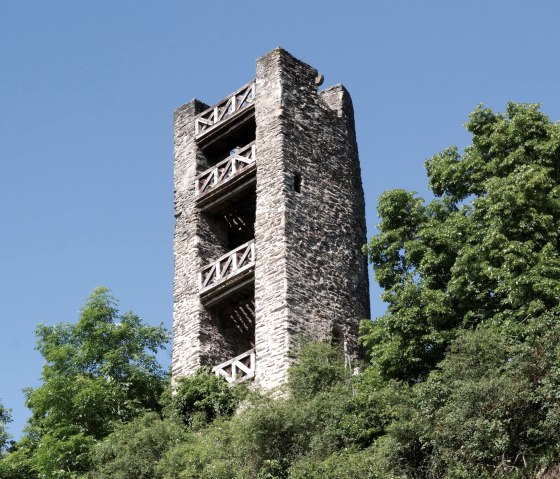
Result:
[
  {"x": 491, "y": 409},
  {"x": 201, "y": 398},
  {"x": 266, "y": 438},
  {"x": 463, "y": 376}
]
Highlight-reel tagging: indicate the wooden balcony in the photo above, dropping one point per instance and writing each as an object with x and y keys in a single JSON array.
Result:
[
  {"x": 237, "y": 369},
  {"x": 231, "y": 273},
  {"x": 227, "y": 178},
  {"x": 224, "y": 111}
]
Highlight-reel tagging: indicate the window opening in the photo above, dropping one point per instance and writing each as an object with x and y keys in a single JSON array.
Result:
[{"x": 297, "y": 182}]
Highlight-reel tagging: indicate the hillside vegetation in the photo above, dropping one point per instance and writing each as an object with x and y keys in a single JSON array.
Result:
[{"x": 461, "y": 380}]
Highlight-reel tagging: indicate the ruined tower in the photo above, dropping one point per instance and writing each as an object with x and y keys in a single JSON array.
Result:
[{"x": 270, "y": 223}]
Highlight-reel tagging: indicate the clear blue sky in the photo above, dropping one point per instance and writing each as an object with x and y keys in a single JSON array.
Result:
[{"x": 87, "y": 94}]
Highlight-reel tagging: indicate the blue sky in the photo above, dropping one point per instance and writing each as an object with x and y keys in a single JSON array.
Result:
[{"x": 87, "y": 94}]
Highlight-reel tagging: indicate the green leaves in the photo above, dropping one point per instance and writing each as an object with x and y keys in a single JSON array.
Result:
[
  {"x": 134, "y": 450},
  {"x": 486, "y": 248},
  {"x": 98, "y": 373},
  {"x": 102, "y": 343},
  {"x": 203, "y": 397},
  {"x": 473, "y": 293},
  {"x": 487, "y": 406},
  {"x": 283, "y": 437},
  {"x": 5, "y": 418},
  {"x": 319, "y": 366}
]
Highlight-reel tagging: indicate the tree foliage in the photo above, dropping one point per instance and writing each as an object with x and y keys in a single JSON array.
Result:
[
  {"x": 98, "y": 372},
  {"x": 318, "y": 367},
  {"x": 201, "y": 398},
  {"x": 134, "y": 449},
  {"x": 265, "y": 439},
  {"x": 472, "y": 282},
  {"x": 5, "y": 418},
  {"x": 485, "y": 249},
  {"x": 268, "y": 436},
  {"x": 490, "y": 410}
]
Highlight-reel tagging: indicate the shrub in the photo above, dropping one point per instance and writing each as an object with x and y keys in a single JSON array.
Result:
[
  {"x": 318, "y": 366},
  {"x": 203, "y": 397},
  {"x": 134, "y": 450}
]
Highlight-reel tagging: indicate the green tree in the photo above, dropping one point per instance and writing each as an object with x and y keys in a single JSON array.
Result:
[
  {"x": 318, "y": 367},
  {"x": 17, "y": 463},
  {"x": 5, "y": 418},
  {"x": 485, "y": 249},
  {"x": 490, "y": 410},
  {"x": 472, "y": 282},
  {"x": 98, "y": 372},
  {"x": 344, "y": 464}
]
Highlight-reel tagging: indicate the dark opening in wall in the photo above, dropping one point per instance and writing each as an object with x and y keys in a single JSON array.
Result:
[
  {"x": 234, "y": 223},
  {"x": 337, "y": 337},
  {"x": 233, "y": 328},
  {"x": 222, "y": 145},
  {"x": 297, "y": 182},
  {"x": 240, "y": 221}
]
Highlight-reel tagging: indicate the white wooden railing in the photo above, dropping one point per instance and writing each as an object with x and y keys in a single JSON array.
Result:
[
  {"x": 225, "y": 169},
  {"x": 237, "y": 369},
  {"x": 230, "y": 264},
  {"x": 219, "y": 112}
]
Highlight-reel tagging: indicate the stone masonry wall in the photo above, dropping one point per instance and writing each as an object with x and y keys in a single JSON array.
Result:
[
  {"x": 272, "y": 340},
  {"x": 187, "y": 312},
  {"x": 311, "y": 276},
  {"x": 199, "y": 335}
]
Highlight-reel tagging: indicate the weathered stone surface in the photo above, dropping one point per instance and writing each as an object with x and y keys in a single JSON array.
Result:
[{"x": 310, "y": 276}]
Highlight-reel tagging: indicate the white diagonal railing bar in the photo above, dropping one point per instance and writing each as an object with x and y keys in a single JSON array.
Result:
[
  {"x": 230, "y": 264},
  {"x": 237, "y": 369},
  {"x": 225, "y": 169},
  {"x": 224, "y": 109}
]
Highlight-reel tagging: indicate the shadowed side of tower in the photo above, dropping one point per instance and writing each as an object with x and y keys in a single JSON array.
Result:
[{"x": 270, "y": 221}]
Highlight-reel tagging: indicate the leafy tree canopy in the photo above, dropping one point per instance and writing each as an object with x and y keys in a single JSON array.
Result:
[
  {"x": 267, "y": 438},
  {"x": 99, "y": 371},
  {"x": 5, "y": 418},
  {"x": 490, "y": 410},
  {"x": 485, "y": 249}
]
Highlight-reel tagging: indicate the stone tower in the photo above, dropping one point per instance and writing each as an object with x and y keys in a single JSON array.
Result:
[{"x": 270, "y": 222}]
